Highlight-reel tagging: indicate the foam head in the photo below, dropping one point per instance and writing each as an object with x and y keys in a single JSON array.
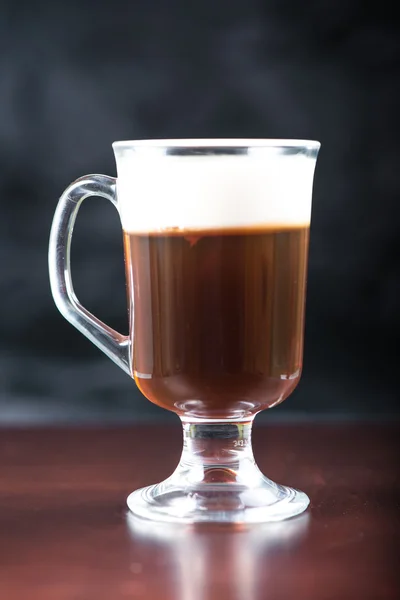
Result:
[{"x": 214, "y": 184}]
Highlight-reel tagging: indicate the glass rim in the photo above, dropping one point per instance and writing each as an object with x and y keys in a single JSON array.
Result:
[{"x": 218, "y": 143}]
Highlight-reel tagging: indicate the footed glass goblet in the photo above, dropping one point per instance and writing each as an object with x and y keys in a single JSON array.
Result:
[{"x": 216, "y": 246}]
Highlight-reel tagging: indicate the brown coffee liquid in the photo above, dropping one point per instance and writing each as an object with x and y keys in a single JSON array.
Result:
[{"x": 217, "y": 318}]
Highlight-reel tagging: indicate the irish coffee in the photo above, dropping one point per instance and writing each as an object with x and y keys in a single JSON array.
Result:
[
  {"x": 217, "y": 317},
  {"x": 216, "y": 242}
]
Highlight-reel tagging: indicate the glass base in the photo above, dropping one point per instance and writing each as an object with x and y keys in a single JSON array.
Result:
[
  {"x": 220, "y": 503},
  {"x": 217, "y": 481}
]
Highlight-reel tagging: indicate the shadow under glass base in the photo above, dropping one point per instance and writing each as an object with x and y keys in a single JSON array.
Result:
[{"x": 217, "y": 481}]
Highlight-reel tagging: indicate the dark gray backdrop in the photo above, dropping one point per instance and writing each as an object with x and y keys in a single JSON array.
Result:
[{"x": 76, "y": 76}]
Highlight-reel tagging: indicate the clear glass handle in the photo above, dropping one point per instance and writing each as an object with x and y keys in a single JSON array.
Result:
[{"x": 115, "y": 345}]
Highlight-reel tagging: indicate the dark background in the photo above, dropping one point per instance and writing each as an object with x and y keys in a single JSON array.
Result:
[{"x": 76, "y": 76}]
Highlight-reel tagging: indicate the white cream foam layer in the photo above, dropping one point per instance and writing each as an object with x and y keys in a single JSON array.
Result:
[{"x": 213, "y": 192}]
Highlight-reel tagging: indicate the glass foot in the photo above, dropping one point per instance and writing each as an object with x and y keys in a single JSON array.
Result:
[
  {"x": 217, "y": 481},
  {"x": 217, "y": 503}
]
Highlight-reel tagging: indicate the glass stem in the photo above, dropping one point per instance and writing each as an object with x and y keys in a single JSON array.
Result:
[
  {"x": 217, "y": 480},
  {"x": 217, "y": 452}
]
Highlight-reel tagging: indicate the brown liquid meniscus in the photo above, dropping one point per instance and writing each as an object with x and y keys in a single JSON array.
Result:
[{"x": 217, "y": 317}]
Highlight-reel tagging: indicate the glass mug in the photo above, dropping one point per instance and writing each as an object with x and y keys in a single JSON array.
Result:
[{"x": 216, "y": 247}]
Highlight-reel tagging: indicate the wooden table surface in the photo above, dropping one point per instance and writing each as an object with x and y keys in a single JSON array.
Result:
[{"x": 65, "y": 533}]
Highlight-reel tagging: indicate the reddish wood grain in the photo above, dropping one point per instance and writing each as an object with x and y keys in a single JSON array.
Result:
[{"x": 65, "y": 533}]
